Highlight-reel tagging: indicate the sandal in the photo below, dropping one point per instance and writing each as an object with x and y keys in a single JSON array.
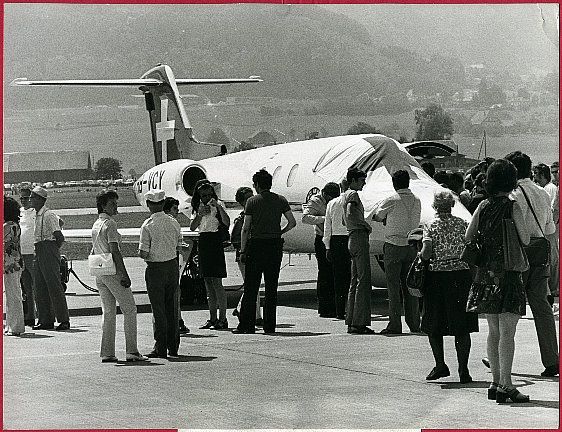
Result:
[{"x": 504, "y": 393}]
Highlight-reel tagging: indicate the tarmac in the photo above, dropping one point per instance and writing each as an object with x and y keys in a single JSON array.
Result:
[{"x": 311, "y": 374}]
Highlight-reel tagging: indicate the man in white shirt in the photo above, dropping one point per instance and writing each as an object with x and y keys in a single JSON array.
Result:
[
  {"x": 314, "y": 213},
  {"x": 536, "y": 278},
  {"x": 159, "y": 244},
  {"x": 400, "y": 213},
  {"x": 542, "y": 177},
  {"x": 335, "y": 240},
  {"x": 27, "y": 240},
  {"x": 49, "y": 293}
]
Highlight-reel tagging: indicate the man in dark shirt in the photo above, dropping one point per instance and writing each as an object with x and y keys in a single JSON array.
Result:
[{"x": 262, "y": 251}]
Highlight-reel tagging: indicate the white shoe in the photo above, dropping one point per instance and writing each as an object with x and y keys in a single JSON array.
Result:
[{"x": 136, "y": 357}]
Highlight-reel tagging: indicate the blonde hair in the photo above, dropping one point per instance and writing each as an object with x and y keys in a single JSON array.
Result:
[{"x": 443, "y": 201}]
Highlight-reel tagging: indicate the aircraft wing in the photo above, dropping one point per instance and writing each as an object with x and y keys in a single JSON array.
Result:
[
  {"x": 89, "y": 83},
  {"x": 129, "y": 235}
]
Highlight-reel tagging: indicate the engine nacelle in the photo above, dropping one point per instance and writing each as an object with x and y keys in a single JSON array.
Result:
[{"x": 177, "y": 178}]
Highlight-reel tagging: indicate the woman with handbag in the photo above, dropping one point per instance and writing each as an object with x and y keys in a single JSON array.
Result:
[
  {"x": 209, "y": 215},
  {"x": 446, "y": 288},
  {"x": 116, "y": 284},
  {"x": 497, "y": 290}
]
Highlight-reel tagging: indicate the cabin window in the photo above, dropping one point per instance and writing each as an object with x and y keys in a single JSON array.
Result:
[
  {"x": 292, "y": 175},
  {"x": 276, "y": 173}
]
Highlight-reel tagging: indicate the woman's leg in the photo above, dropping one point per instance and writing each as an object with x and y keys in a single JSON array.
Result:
[
  {"x": 493, "y": 343},
  {"x": 108, "y": 310},
  {"x": 462, "y": 346},
  {"x": 211, "y": 297},
  {"x": 436, "y": 343},
  {"x": 15, "y": 323},
  {"x": 126, "y": 301},
  {"x": 508, "y": 325}
]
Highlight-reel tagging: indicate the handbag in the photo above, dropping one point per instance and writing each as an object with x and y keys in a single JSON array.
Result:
[
  {"x": 415, "y": 280},
  {"x": 472, "y": 253},
  {"x": 224, "y": 234},
  {"x": 514, "y": 256},
  {"x": 538, "y": 249},
  {"x": 484, "y": 297},
  {"x": 101, "y": 264},
  {"x": 192, "y": 286}
]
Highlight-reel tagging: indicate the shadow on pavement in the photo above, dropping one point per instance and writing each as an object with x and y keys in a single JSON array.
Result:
[
  {"x": 535, "y": 403},
  {"x": 197, "y": 336},
  {"x": 34, "y": 336},
  {"x": 186, "y": 358},
  {"x": 74, "y": 330},
  {"x": 295, "y": 334},
  {"x": 458, "y": 385},
  {"x": 536, "y": 377},
  {"x": 284, "y": 325},
  {"x": 122, "y": 363}
]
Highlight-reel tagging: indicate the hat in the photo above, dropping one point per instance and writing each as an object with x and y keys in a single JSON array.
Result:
[
  {"x": 155, "y": 195},
  {"x": 38, "y": 190}
]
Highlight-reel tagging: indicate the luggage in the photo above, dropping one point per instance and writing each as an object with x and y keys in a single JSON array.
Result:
[{"x": 192, "y": 286}]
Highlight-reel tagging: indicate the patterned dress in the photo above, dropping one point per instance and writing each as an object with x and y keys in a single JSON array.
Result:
[
  {"x": 12, "y": 271},
  {"x": 495, "y": 290},
  {"x": 448, "y": 280}
]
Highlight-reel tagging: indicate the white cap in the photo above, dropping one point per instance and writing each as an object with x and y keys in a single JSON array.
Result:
[
  {"x": 155, "y": 195},
  {"x": 38, "y": 190}
]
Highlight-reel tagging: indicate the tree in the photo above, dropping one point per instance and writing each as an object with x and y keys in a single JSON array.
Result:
[
  {"x": 362, "y": 128},
  {"x": 433, "y": 123},
  {"x": 108, "y": 168}
]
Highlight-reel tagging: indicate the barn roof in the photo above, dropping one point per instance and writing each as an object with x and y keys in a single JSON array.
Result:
[{"x": 47, "y": 161}]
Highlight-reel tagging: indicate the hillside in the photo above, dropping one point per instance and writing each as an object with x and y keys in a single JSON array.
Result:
[{"x": 300, "y": 51}]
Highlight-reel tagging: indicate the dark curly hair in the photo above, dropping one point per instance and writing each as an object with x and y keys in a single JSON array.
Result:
[
  {"x": 11, "y": 210},
  {"x": 196, "y": 199},
  {"x": 103, "y": 198},
  {"x": 501, "y": 177},
  {"x": 522, "y": 163}
]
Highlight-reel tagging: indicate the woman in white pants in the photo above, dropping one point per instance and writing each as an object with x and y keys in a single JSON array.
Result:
[
  {"x": 106, "y": 239},
  {"x": 15, "y": 325}
]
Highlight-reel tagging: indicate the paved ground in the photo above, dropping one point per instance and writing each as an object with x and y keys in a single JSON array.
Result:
[{"x": 311, "y": 374}]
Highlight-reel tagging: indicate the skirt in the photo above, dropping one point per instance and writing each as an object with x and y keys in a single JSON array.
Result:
[
  {"x": 444, "y": 304},
  {"x": 211, "y": 255}
]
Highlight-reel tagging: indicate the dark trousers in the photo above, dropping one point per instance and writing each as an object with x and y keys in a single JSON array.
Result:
[
  {"x": 162, "y": 286},
  {"x": 325, "y": 281},
  {"x": 263, "y": 256},
  {"x": 49, "y": 294},
  {"x": 341, "y": 272},
  {"x": 27, "y": 283},
  {"x": 536, "y": 287}
]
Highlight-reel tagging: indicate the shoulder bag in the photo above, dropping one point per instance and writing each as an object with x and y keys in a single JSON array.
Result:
[
  {"x": 101, "y": 264},
  {"x": 223, "y": 230},
  {"x": 538, "y": 249},
  {"x": 415, "y": 281},
  {"x": 514, "y": 256}
]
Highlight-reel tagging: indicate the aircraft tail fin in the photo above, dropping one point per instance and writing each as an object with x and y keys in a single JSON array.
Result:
[{"x": 172, "y": 135}]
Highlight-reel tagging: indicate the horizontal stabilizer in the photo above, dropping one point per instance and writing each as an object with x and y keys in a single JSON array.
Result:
[{"x": 129, "y": 82}]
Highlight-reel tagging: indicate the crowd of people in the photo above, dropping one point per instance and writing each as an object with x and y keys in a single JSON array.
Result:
[{"x": 454, "y": 293}]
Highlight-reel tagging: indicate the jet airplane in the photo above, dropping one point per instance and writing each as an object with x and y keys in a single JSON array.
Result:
[{"x": 299, "y": 168}]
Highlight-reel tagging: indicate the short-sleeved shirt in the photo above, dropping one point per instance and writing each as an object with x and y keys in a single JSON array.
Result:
[
  {"x": 447, "y": 243},
  {"x": 334, "y": 224},
  {"x": 46, "y": 223},
  {"x": 402, "y": 212},
  {"x": 314, "y": 212},
  {"x": 12, "y": 254},
  {"x": 356, "y": 220},
  {"x": 266, "y": 209},
  {"x": 27, "y": 225},
  {"x": 104, "y": 231},
  {"x": 160, "y": 236}
]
